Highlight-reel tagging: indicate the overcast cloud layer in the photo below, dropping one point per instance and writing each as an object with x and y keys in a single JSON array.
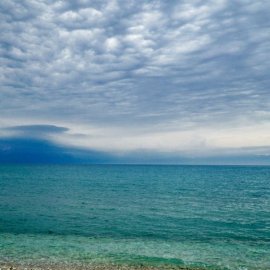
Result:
[{"x": 190, "y": 78}]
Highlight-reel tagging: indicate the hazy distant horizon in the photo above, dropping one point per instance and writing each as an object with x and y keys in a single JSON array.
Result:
[{"x": 30, "y": 151}]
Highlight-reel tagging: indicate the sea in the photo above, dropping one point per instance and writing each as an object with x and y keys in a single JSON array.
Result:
[{"x": 213, "y": 217}]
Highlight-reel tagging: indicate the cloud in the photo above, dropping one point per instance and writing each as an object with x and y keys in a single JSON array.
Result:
[
  {"x": 36, "y": 150},
  {"x": 34, "y": 130},
  {"x": 136, "y": 75}
]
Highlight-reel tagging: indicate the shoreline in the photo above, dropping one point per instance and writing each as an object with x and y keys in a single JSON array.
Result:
[{"x": 76, "y": 266}]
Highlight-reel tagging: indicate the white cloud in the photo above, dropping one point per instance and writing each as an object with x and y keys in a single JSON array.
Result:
[{"x": 112, "y": 44}]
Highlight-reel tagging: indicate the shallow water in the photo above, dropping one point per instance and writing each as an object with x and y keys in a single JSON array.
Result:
[{"x": 210, "y": 216}]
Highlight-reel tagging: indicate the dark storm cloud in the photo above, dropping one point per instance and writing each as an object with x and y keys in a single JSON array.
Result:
[
  {"x": 38, "y": 129},
  {"x": 43, "y": 132},
  {"x": 30, "y": 150}
]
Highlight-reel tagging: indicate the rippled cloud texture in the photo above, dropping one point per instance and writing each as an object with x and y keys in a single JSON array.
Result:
[{"x": 176, "y": 78}]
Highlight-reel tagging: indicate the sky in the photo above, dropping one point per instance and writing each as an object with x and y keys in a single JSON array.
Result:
[{"x": 135, "y": 81}]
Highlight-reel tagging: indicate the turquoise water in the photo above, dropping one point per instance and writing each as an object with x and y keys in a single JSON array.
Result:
[{"x": 210, "y": 216}]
